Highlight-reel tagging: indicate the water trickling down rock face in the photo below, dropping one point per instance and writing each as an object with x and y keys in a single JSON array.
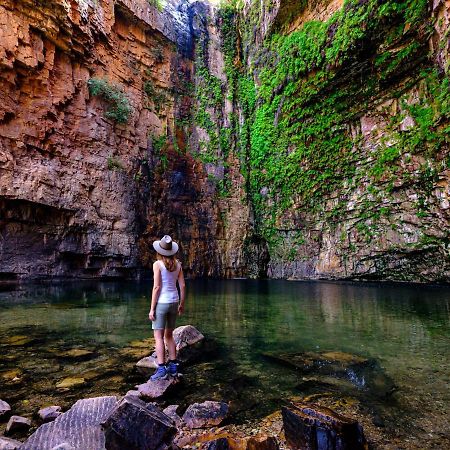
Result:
[{"x": 120, "y": 122}]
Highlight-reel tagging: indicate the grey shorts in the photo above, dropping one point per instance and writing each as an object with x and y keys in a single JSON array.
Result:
[{"x": 165, "y": 316}]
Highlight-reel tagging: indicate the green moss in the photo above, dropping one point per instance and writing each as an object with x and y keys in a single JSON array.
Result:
[
  {"x": 294, "y": 138},
  {"x": 119, "y": 108}
]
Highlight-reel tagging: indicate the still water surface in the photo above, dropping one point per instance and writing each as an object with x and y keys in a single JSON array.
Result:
[{"x": 405, "y": 328}]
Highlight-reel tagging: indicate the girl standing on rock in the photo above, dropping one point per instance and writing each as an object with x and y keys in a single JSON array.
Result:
[{"x": 166, "y": 304}]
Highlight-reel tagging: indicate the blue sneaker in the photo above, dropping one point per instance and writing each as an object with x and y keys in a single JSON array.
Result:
[
  {"x": 172, "y": 369},
  {"x": 160, "y": 374}
]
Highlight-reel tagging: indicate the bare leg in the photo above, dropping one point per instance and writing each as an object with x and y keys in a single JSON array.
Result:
[
  {"x": 170, "y": 342},
  {"x": 160, "y": 350}
]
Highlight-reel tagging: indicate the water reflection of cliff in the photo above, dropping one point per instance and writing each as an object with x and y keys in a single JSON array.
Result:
[{"x": 299, "y": 315}]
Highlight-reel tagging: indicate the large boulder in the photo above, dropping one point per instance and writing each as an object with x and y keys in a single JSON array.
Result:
[
  {"x": 9, "y": 444},
  {"x": 78, "y": 428},
  {"x": 134, "y": 425},
  {"x": 206, "y": 414},
  {"x": 5, "y": 409},
  {"x": 308, "y": 426}
]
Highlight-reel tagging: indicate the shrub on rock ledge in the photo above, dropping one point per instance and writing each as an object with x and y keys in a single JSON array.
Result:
[{"x": 119, "y": 108}]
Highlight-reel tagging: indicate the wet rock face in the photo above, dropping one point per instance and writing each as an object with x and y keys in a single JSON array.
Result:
[{"x": 319, "y": 428}]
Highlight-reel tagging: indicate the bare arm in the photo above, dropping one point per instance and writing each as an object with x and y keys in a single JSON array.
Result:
[
  {"x": 182, "y": 285},
  {"x": 156, "y": 290}
]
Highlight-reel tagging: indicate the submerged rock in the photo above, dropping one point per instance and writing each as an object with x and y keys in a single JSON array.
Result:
[
  {"x": 206, "y": 414},
  {"x": 70, "y": 382},
  {"x": 134, "y": 425},
  {"x": 16, "y": 424},
  {"x": 18, "y": 340},
  {"x": 49, "y": 413},
  {"x": 309, "y": 426},
  {"x": 76, "y": 353},
  {"x": 79, "y": 427},
  {"x": 8, "y": 443},
  {"x": 363, "y": 373},
  {"x": 5, "y": 409}
]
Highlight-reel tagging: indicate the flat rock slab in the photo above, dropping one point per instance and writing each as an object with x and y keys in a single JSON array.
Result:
[
  {"x": 206, "y": 414},
  {"x": 9, "y": 444},
  {"x": 5, "y": 409},
  {"x": 79, "y": 427},
  {"x": 135, "y": 425},
  {"x": 316, "y": 427},
  {"x": 154, "y": 389}
]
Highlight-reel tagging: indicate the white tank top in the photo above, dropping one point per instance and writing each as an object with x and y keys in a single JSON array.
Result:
[{"x": 169, "y": 292}]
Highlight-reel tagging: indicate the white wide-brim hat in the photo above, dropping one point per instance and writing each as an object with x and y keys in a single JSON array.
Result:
[{"x": 165, "y": 246}]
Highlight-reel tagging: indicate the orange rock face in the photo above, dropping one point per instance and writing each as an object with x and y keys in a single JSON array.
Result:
[{"x": 80, "y": 194}]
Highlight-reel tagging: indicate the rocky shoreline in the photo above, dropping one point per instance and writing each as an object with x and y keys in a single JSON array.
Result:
[{"x": 146, "y": 418}]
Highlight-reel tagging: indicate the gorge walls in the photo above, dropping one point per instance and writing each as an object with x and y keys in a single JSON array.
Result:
[
  {"x": 296, "y": 140},
  {"x": 96, "y": 102},
  {"x": 345, "y": 133}
]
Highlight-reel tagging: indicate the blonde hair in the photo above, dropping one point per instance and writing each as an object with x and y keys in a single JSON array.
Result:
[{"x": 170, "y": 262}]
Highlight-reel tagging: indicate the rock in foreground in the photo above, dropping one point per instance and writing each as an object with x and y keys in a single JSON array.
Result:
[
  {"x": 9, "y": 444},
  {"x": 133, "y": 425},
  {"x": 310, "y": 426},
  {"x": 16, "y": 424},
  {"x": 206, "y": 414},
  {"x": 79, "y": 427}
]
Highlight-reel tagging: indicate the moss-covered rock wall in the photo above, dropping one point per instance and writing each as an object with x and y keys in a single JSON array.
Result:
[{"x": 341, "y": 124}]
